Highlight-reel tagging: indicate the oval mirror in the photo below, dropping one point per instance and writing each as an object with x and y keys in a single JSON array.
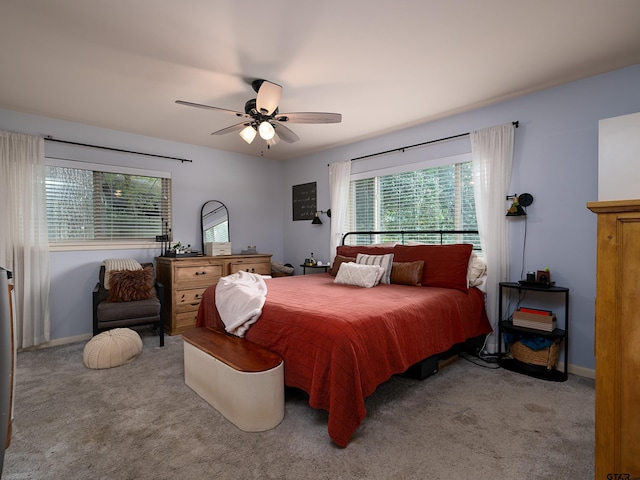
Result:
[{"x": 214, "y": 220}]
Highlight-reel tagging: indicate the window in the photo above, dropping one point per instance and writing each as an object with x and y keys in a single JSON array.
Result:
[
  {"x": 100, "y": 203},
  {"x": 435, "y": 198}
]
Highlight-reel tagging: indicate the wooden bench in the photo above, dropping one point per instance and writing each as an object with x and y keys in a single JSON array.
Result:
[{"x": 240, "y": 379}]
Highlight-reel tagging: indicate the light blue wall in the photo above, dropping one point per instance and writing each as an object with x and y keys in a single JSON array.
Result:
[
  {"x": 250, "y": 187},
  {"x": 556, "y": 160}
]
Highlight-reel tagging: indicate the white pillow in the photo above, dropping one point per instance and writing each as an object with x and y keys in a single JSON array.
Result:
[
  {"x": 385, "y": 261},
  {"x": 476, "y": 271},
  {"x": 366, "y": 276}
]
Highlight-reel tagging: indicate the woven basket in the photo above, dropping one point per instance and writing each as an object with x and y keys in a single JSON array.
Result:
[{"x": 547, "y": 357}]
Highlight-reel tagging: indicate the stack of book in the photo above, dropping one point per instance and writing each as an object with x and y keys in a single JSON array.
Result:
[{"x": 535, "y": 318}]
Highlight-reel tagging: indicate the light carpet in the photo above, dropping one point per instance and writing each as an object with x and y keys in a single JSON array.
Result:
[{"x": 140, "y": 421}]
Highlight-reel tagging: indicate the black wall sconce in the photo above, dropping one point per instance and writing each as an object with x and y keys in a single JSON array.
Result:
[
  {"x": 519, "y": 203},
  {"x": 316, "y": 219}
]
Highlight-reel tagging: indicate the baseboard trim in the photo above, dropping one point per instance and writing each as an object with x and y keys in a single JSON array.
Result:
[
  {"x": 59, "y": 341},
  {"x": 578, "y": 370}
]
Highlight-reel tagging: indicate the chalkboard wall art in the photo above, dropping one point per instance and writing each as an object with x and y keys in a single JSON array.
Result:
[{"x": 304, "y": 201}]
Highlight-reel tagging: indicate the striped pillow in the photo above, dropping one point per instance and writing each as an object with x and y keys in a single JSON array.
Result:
[{"x": 384, "y": 261}]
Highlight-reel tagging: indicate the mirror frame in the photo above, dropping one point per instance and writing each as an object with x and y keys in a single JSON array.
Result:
[{"x": 202, "y": 221}]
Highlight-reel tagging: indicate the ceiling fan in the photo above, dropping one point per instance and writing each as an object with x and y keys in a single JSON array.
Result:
[{"x": 261, "y": 116}]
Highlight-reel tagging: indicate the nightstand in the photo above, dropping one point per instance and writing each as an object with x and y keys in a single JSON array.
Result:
[
  {"x": 559, "y": 334},
  {"x": 314, "y": 267}
]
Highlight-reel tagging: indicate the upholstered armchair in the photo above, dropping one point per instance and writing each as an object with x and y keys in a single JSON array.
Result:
[{"x": 134, "y": 297}]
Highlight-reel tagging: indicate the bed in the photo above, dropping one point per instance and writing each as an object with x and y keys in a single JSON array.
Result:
[{"x": 340, "y": 341}]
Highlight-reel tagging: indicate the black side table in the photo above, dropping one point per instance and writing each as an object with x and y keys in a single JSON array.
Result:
[
  {"x": 314, "y": 267},
  {"x": 558, "y": 333}
]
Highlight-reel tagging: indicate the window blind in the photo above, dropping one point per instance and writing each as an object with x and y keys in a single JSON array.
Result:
[
  {"x": 435, "y": 198},
  {"x": 93, "y": 205}
]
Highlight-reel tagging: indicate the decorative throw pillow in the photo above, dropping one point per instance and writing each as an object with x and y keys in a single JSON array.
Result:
[
  {"x": 445, "y": 266},
  {"x": 132, "y": 285},
  {"x": 476, "y": 271},
  {"x": 407, "y": 273},
  {"x": 360, "y": 275},
  {"x": 339, "y": 260},
  {"x": 385, "y": 261},
  {"x": 113, "y": 264}
]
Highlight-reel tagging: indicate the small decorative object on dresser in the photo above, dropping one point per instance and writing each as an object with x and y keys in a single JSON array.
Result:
[
  {"x": 185, "y": 279},
  {"x": 213, "y": 249}
]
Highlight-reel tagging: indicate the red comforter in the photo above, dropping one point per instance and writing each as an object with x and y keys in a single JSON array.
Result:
[{"x": 339, "y": 342}]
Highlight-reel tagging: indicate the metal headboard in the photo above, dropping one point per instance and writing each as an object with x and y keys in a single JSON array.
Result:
[{"x": 440, "y": 237}]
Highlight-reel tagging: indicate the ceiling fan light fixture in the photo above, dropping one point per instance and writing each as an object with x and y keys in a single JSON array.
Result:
[
  {"x": 248, "y": 134},
  {"x": 262, "y": 116},
  {"x": 273, "y": 141},
  {"x": 266, "y": 131}
]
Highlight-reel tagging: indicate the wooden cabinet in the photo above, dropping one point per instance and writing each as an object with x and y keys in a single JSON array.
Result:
[
  {"x": 185, "y": 280},
  {"x": 617, "y": 336}
]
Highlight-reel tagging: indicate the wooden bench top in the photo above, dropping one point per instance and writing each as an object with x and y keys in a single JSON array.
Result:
[{"x": 240, "y": 354}]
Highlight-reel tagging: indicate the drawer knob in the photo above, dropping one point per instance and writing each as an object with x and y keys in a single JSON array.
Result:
[{"x": 201, "y": 273}]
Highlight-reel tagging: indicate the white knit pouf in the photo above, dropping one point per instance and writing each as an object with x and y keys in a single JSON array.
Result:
[{"x": 112, "y": 348}]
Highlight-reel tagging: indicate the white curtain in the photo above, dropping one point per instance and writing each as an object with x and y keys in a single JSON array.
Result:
[
  {"x": 24, "y": 246},
  {"x": 492, "y": 160},
  {"x": 339, "y": 177}
]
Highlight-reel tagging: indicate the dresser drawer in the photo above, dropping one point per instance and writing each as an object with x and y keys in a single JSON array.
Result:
[
  {"x": 185, "y": 321},
  {"x": 261, "y": 268},
  {"x": 188, "y": 299},
  {"x": 203, "y": 275}
]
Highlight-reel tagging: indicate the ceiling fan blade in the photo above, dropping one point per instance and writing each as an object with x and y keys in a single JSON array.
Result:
[
  {"x": 309, "y": 117},
  {"x": 209, "y": 107},
  {"x": 268, "y": 98},
  {"x": 233, "y": 128},
  {"x": 285, "y": 133}
]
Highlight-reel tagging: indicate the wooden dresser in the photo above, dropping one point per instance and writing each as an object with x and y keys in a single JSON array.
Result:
[
  {"x": 617, "y": 339},
  {"x": 185, "y": 279}
]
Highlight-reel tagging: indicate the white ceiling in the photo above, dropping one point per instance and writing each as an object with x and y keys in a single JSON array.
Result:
[{"x": 384, "y": 65}]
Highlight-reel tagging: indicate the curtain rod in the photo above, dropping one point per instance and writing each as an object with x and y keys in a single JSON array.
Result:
[
  {"x": 402, "y": 149},
  {"x": 51, "y": 139}
]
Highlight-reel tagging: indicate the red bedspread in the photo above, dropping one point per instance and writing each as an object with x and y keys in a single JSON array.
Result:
[{"x": 339, "y": 342}]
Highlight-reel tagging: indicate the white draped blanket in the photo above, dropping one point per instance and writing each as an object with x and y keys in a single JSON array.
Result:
[{"x": 239, "y": 299}]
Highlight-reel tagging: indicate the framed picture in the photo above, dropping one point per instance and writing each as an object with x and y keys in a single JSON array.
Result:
[{"x": 304, "y": 202}]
